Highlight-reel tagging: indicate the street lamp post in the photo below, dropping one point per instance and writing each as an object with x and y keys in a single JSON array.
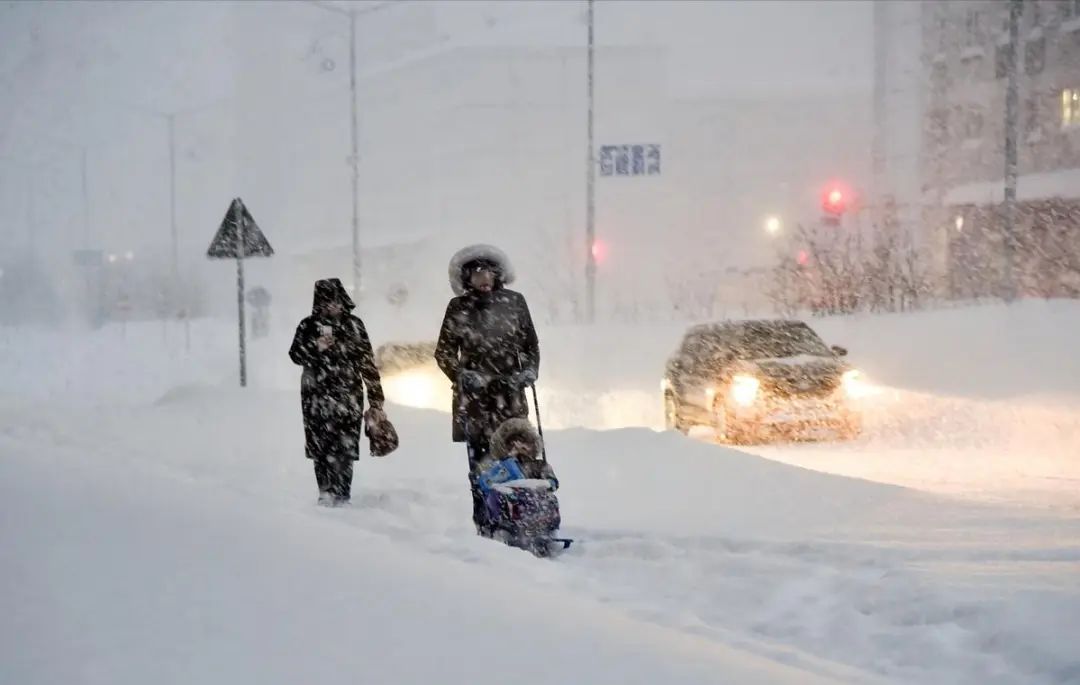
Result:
[
  {"x": 174, "y": 235},
  {"x": 354, "y": 158},
  {"x": 590, "y": 183},
  {"x": 1012, "y": 110},
  {"x": 354, "y": 144},
  {"x": 85, "y": 199}
]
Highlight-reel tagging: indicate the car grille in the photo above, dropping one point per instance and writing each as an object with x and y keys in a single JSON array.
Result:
[{"x": 798, "y": 386}]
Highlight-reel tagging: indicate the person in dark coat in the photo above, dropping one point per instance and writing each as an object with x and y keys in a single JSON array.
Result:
[
  {"x": 489, "y": 350},
  {"x": 333, "y": 347}
]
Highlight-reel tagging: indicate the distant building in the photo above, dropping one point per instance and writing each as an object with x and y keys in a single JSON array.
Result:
[
  {"x": 467, "y": 143},
  {"x": 964, "y": 48}
]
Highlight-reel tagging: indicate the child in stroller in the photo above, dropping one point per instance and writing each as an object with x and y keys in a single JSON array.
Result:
[{"x": 519, "y": 487}]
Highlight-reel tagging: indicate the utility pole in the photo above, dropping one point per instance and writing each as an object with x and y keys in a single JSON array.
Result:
[
  {"x": 31, "y": 215},
  {"x": 173, "y": 233},
  {"x": 1012, "y": 107},
  {"x": 881, "y": 73},
  {"x": 354, "y": 144},
  {"x": 590, "y": 186},
  {"x": 85, "y": 200},
  {"x": 354, "y": 157}
]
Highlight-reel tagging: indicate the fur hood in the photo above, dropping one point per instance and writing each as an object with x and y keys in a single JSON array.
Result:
[
  {"x": 505, "y": 270},
  {"x": 508, "y": 431}
]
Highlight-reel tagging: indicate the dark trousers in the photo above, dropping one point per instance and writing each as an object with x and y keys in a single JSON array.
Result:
[
  {"x": 478, "y": 449},
  {"x": 334, "y": 476}
]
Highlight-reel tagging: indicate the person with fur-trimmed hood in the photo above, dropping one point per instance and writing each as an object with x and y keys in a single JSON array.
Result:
[
  {"x": 334, "y": 348},
  {"x": 488, "y": 349}
]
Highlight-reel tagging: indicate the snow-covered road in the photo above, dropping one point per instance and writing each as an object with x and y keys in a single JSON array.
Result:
[{"x": 707, "y": 563}]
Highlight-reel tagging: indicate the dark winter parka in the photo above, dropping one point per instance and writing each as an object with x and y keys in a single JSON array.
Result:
[
  {"x": 489, "y": 333},
  {"x": 332, "y": 386}
]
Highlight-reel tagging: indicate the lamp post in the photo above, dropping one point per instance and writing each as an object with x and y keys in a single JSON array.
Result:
[
  {"x": 1012, "y": 111},
  {"x": 354, "y": 145},
  {"x": 590, "y": 181}
]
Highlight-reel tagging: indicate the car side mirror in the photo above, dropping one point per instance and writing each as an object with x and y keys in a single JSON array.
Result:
[{"x": 839, "y": 351}]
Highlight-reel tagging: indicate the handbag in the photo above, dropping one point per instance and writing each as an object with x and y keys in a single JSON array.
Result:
[{"x": 382, "y": 436}]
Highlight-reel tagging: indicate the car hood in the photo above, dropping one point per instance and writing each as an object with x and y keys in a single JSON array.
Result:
[{"x": 795, "y": 375}]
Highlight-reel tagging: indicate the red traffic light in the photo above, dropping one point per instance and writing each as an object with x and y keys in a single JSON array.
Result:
[
  {"x": 599, "y": 251},
  {"x": 835, "y": 199}
]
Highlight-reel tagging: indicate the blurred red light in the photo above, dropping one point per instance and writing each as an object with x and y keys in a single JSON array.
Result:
[{"x": 599, "y": 251}]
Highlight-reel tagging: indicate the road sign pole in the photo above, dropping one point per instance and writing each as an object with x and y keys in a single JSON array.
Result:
[
  {"x": 238, "y": 217},
  {"x": 239, "y": 237}
]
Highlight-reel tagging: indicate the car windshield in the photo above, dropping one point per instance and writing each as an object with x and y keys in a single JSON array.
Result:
[{"x": 774, "y": 340}]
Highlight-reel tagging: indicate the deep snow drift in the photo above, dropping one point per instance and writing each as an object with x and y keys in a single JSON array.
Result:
[
  {"x": 121, "y": 572},
  {"x": 158, "y": 523}
]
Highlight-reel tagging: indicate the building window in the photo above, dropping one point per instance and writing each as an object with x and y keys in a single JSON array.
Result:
[
  {"x": 1031, "y": 115},
  {"x": 938, "y": 127},
  {"x": 1035, "y": 56},
  {"x": 973, "y": 28},
  {"x": 1001, "y": 61},
  {"x": 942, "y": 29},
  {"x": 972, "y": 123},
  {"x": 1070, "y": 107},
  {"x": 939, "y": 75}
]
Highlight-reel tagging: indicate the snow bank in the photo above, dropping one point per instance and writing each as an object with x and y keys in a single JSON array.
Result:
[
  {"x": 192, "y": 520},
  {"x": 117, "y": 573},
  {"x": 154, "y": 517}
]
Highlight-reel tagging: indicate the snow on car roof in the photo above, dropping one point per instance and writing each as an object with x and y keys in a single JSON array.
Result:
[{"x": 726, "y": 326}]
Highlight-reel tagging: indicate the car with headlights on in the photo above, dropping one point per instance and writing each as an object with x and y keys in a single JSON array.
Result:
[
  {"x": 752, "y": 380},
  {"x": 410, "y": 376}
]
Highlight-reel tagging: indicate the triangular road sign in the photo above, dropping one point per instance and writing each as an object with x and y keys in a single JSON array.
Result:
[{"x": 225, "y": 244}]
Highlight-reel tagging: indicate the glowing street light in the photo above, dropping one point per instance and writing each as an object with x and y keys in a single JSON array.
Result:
[
  {"x": 129, "y": 255},
  {"x": 959, "y": 222},
  {"x": 772, "y": 225}
]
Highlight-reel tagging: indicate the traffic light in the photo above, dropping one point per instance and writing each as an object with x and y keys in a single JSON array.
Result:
[
  {"x": 835, "y": 199},
  {"x": 599, "y": 251}
]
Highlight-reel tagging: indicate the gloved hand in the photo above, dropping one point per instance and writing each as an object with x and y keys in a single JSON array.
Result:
[
  {"x": 523, "y": 378},
  {"x": 473, "y": 381}
]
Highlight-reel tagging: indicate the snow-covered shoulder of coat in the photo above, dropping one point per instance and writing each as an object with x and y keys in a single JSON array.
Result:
[{"x": 473, "y": 253}]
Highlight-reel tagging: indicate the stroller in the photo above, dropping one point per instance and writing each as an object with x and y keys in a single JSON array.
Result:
[
  {"x": 521, "y": 512},
  {"x": 516, "y": 488}
]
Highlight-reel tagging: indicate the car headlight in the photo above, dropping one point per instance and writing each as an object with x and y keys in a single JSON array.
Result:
[
  {"x": 744, "y": 389},
  {"x": 420, "y": 388},
  {"x": 854, "y": 384}
]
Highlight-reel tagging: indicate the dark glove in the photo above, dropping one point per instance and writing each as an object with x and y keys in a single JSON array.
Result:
[
  {"x": 473, "y": 381},
  {"x": 523, "y": 378}
]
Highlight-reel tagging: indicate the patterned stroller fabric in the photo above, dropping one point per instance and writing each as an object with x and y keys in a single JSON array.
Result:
[{"x": 524, "y": 509}]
